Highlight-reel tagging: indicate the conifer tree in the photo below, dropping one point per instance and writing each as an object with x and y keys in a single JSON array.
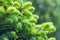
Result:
[{"x": 17, "y": 22}]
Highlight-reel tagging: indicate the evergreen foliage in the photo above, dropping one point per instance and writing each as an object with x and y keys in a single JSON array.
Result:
[{"x": 17, "y": 22}]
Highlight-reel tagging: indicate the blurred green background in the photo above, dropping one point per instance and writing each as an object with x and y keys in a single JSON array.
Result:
[{"x": 48, "y": 11}]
